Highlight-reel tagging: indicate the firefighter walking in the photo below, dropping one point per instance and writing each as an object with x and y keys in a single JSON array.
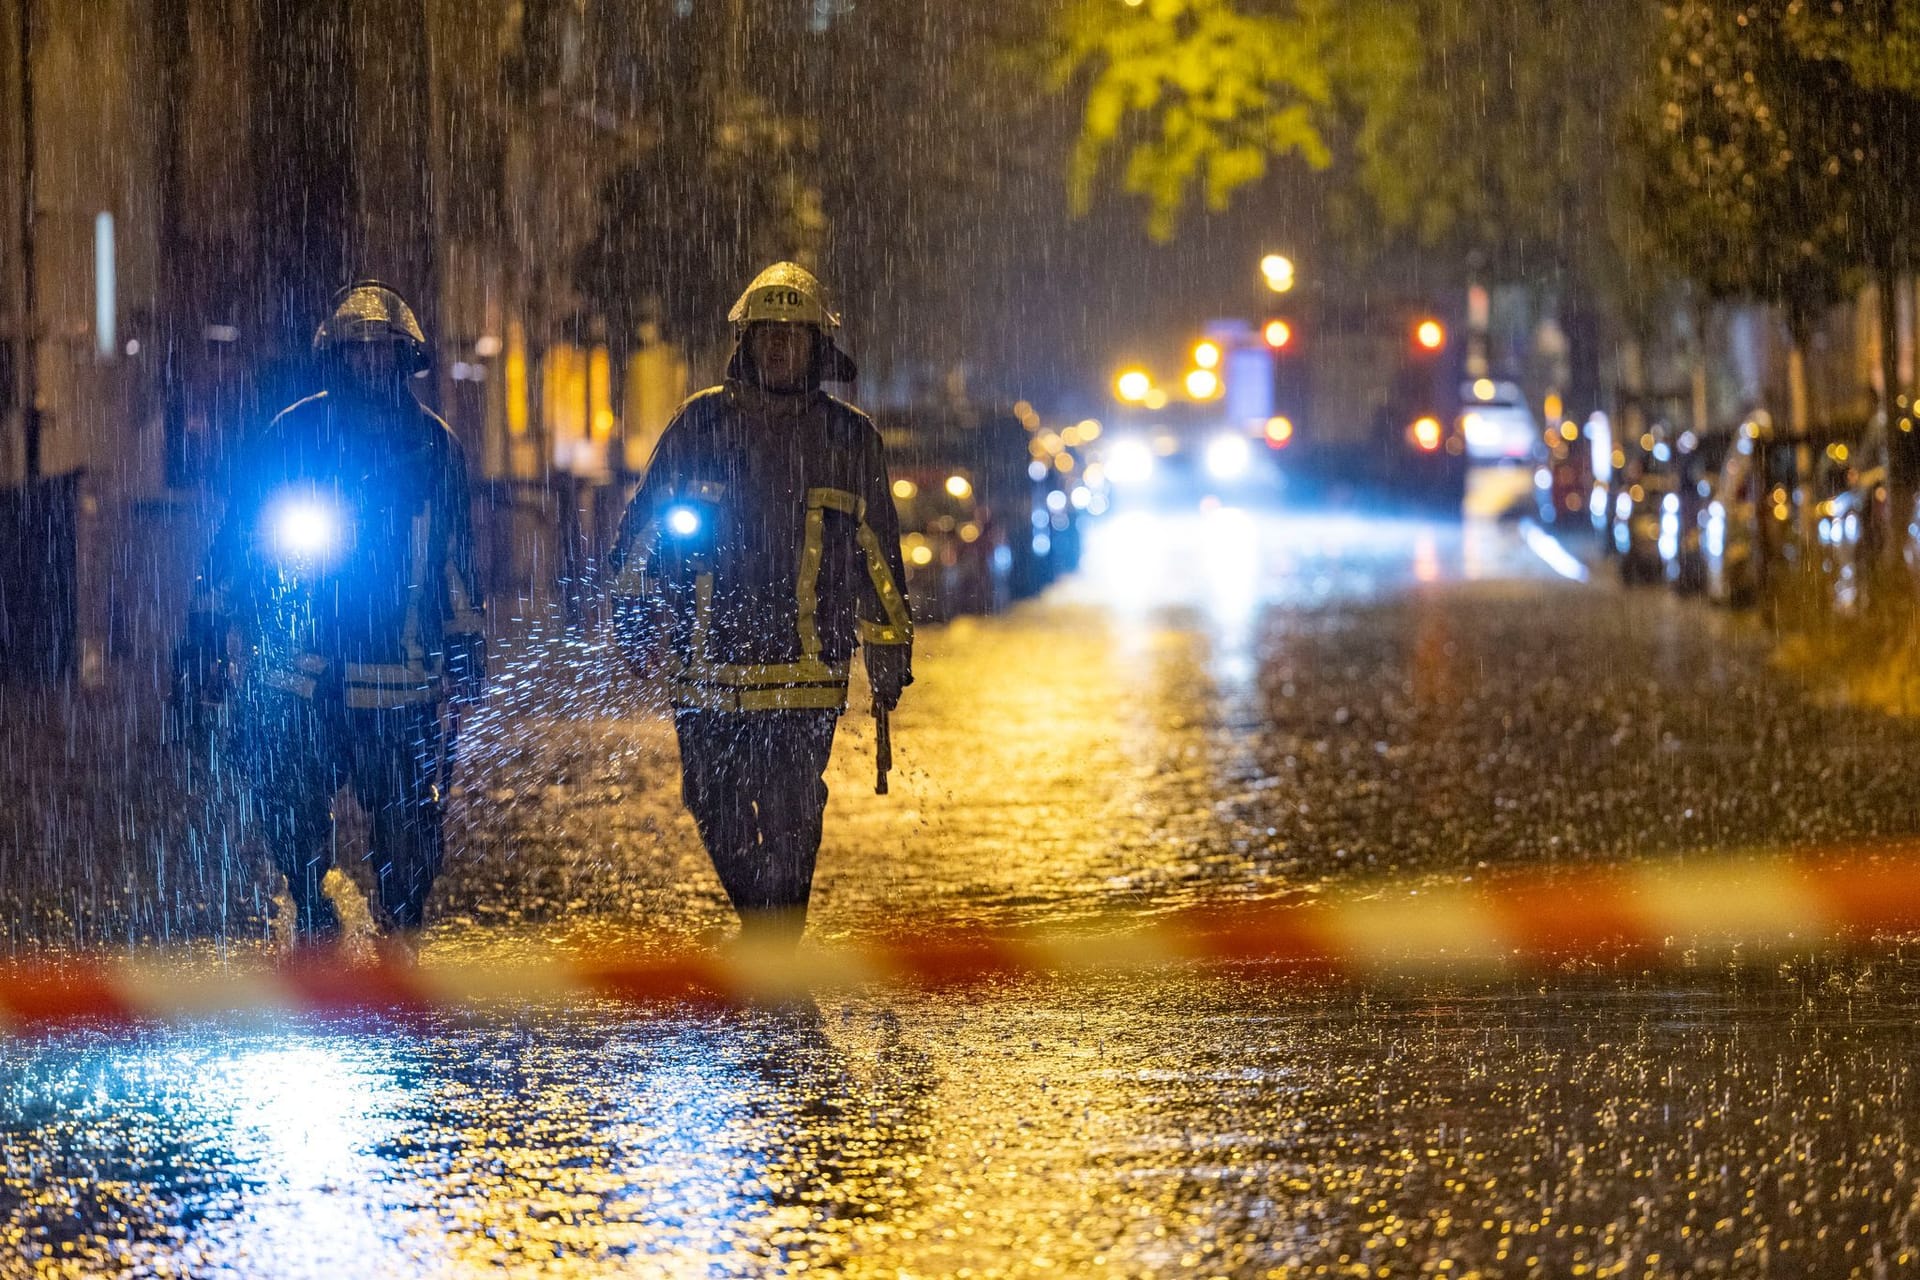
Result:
[
  {"x": 762, "y": 547},
  {"x": 345, "y": 562}
]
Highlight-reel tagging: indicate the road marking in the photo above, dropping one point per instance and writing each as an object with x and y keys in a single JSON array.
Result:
[{"x": 1548, "y": 548}]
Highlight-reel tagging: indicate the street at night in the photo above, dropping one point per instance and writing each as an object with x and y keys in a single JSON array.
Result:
[
  {"x": 1221, "y": 706},
  {"x": 879, "y": 638}
]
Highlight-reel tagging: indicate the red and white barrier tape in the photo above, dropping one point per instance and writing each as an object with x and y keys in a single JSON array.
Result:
[{"x": 1758, "y": 906}]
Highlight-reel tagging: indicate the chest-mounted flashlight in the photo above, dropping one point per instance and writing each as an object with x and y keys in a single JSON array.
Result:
[{"x": 305, "y": 528}]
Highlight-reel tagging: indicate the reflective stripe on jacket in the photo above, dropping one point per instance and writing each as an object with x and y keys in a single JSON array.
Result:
[
  {"x": 766, "y": 529},
  {"x": 367, "y": 617}
]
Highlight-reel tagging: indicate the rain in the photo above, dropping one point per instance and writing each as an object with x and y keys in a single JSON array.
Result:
[{"x": 860, "y": 637}]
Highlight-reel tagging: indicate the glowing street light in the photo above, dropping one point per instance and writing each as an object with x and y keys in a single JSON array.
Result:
[
  {"x": 1430, "y": 334},
  {"x": 1278, "y": 334},
  {"x": 1133, "y": 385},
  {"x": 1277, "y": 270},
  {"x": 1203, "y": 384},
  {"x": 1207, "y": 355}
]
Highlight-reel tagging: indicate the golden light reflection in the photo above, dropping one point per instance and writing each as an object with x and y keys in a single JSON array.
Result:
[
  {"x": 600, "y": 394},
  {"x": 516, "y": 379}
]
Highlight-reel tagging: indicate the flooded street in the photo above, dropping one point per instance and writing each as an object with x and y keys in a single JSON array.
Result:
[{"x": 1220, "y": 706}]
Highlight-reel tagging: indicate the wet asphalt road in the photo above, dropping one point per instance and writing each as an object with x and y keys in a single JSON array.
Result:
[{"x": 1219, "y": 707}]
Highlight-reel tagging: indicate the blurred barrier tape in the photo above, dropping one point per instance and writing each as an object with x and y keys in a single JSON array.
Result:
[{"x": 1752, "y": 907}]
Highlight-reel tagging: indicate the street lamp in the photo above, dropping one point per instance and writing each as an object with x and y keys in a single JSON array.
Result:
[
  {"x": 1278, "y": 334},
  {"x": 1277, "y": 270},
  {"x": 1203, "y": 384},
  {"x": 1133, "y": 385},
  {"x": 1430, "y": 334},
  {"x": 1207, "y": 355}
]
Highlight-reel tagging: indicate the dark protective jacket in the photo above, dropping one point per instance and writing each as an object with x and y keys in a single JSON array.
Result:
[
  {"x": 346, "y": 553},
  {"x": 766, "y": 528}
]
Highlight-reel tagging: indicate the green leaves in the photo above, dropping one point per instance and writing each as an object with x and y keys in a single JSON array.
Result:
[{"x": 1195, "y": 97}]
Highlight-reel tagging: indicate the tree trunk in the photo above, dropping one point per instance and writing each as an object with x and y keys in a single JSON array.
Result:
[
  {"x": 1901, "y": 443},
  {"x": 1702, "y": 407}
]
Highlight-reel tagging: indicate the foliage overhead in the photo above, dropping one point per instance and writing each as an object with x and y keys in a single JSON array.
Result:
[
  {"x": 1734, "y": 204},
  {"x": 1197, "y": 97}
]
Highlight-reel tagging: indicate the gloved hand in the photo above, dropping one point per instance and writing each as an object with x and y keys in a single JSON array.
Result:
[
  {"x": 889, "y": 670},
  {"x": 466, "y": 666}
]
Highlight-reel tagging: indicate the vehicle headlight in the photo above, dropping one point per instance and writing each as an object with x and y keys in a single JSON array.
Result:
[
  {"x": 1130, "y": 462},
  {"x": 1227, "y": 457},
  {"x": 683, "y": 522}
]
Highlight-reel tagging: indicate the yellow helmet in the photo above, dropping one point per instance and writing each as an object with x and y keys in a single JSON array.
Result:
[
  {"x": 369, "y": 311},
  {"x": 785, "y": 293}
]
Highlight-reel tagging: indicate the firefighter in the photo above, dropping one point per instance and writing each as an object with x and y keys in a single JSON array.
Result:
[
  {"x": 761, "y": 548},
  {"x": 344, "y": 562}
]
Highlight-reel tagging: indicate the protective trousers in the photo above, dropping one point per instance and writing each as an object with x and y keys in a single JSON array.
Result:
[
  {"x": 301, "y": 752},
  {"x": 752, "y": 780}
]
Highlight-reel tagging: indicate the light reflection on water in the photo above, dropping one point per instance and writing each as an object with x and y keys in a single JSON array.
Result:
[
  {"x": 306, "y": 1122},
  {"x": 1229, "y": 1125},
  {"x": 741, "y": 1144}
]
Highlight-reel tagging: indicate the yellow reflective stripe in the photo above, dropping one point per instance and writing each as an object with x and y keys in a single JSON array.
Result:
[
  {"x": 881, "y": 633},
  {"x": 362, "y": 698},
  {"x": 807, "y": 590},
  {"x": 765, "y": 674},
  {"x": 838, "y": 500},
  {"x": 701, "y": 697},
  {"x": 883, "y": 585},
  {"x": 385, "y": 673}
]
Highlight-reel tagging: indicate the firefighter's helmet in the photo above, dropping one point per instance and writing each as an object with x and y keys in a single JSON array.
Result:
[
  {"x": 369, "y": 311},
  {"x": 785, "y": 293}
]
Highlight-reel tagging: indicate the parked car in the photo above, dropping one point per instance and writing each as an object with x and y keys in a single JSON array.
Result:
[
  {"x": 1752, "y": 528},
  {"x": 1683, "y": 521},
  {"x": 1563, "y": 484},
  {"x": 1852, "y": 529},
  {"x": 1639, "y": 509},
  {"x": 1731, "y": 536},
  {"x": 980, "y": 517}
]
